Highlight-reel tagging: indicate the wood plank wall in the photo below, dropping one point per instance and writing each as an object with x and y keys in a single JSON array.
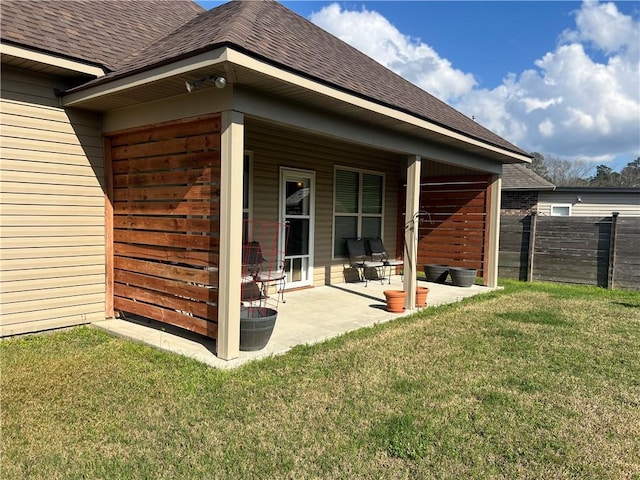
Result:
[
  {"x": 52, "y": 245},
  {"x": 576, "y": 250},
  {"x": 454, "y": 233},
  {"x": 166, "y": 226}
]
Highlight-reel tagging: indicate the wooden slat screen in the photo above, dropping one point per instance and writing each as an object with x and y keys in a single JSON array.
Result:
[
  {"x": 166, "y": 198},
  {"x": 455, "y": 235}
]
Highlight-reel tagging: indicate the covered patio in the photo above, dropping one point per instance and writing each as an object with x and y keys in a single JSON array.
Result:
[{"x": 309, "y": 316}]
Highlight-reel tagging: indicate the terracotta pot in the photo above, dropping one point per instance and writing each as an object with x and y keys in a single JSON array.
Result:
[
  {"x": 395, "y": 300},
  {"x": 421, "y": 296}
]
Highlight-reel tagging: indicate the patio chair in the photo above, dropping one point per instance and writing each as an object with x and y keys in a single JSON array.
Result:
[
  {"x": 377, "y": 252},
  {"x": 258, "y": 268},
  {"x": 358, "y": 259}
]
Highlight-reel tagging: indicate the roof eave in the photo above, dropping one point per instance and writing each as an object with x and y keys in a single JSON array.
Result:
[
  {"x": 528, "y": 189},
  {"x": 51, "y": 59},
  {"x": 221, "y": 53}
]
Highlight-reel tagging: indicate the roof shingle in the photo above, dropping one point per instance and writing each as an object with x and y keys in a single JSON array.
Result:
[
  {"x": 519, "y": 177},
  {"x": 274, "y": 33},
  {"x": 98, "y": 32},
  {"x": 131, "y": 36}
]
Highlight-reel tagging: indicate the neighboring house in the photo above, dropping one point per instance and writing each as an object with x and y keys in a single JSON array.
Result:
[
  {"x": 590, "y": 202},
  {"x": 521, "y": 190},
  {"x": 130, "y": 128},
  {"x": 525, "y": 192}
]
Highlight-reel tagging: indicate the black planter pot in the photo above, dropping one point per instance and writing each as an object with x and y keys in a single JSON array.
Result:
[
  {"x": 463, "y": 277},
  {"x": 436, "y": 273},
  {"x": 256, "y": 327}
]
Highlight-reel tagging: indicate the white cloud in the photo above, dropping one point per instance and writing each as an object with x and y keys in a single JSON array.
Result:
[
  {"x": 569, "y": 104},
  {"x": 374, "y": 35},
  {"x": 546, "y": 128},
  {"x": 602, "y": 25}
]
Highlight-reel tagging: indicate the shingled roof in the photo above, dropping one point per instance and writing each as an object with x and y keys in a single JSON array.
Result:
[
  {"x": 98, "y": 32},
  {"x": 518, "y": 177},
  {"x": 273, "y": 33},
  {"x": 265, "y": 30}
]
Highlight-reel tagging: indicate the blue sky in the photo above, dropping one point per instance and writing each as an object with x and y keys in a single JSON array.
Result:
[{"x": 560, "y": 78}]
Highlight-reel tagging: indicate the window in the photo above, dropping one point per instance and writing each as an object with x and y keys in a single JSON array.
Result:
[
  {"x": 563, "y": 210},
  {"x": 358, "y": 202}
]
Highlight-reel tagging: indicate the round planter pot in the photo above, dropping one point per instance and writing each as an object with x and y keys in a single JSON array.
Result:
[
  {"x": 256, "y": 327},
  {"x": 463, "y": 277},
  {"x": 436, "y": 273},
  {"x": 421, "y": 296},
  {"x": 395, "y": 300}
]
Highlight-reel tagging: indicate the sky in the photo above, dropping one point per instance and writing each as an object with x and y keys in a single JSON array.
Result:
[{"x": 559, "y": 78}]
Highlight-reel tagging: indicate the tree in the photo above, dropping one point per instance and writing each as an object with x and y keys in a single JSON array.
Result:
[
  {"x": 605, "y": 177},
  {"x": 565, "y": 173},
  {"x": 538, "y": 165},
  {"x": 630, "y": 175}
]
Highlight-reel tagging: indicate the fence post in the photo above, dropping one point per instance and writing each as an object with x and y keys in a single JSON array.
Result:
[
  {"x": 612, "y": 249},
  {"x": 532, "y": 240}
]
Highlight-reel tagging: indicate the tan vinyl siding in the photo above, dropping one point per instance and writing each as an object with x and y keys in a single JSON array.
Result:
[
  {"x": 52, "y": 238},
  {"x": 593, "y": 204},
  {"x": 274, "y": 147}
]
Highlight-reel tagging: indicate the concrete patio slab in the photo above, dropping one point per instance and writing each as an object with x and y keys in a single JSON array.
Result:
[{"x": 308, "y": 316}]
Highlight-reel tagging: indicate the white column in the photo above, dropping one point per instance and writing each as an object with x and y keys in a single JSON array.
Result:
[
  {"x": 493, "y": 242},
  {"x": 231, "y": 172},
  {"x": 411, "y": 230}
]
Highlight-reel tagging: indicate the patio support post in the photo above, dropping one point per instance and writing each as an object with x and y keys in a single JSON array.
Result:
[
  {"x": 411, "y": 230},
  {"x": 492, "y": 242},
  {"x": 231, "y": 172}
]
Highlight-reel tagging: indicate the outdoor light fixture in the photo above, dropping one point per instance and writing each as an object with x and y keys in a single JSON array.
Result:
[{"x": 219, "y": 82}]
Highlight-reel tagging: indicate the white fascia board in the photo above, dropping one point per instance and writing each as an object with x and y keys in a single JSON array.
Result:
[
  {"x": 223, "y": 54},
  {"x": 180, "y": 67},
  {"x": 267, "y": 69},
  {"x": 53, "y": 60}
]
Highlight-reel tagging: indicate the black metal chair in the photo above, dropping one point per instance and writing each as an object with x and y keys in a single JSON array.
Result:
[
  {"x": 359, "y": 259},
  {"x": 377, "y": 252}
]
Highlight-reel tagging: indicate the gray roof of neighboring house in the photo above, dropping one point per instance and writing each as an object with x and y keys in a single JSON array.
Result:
[
  {"x": 265, "y": 30},
  {"x": 631, "y": 190},
  {"x": 98, "y": 32},
  {"x": 518, "y": 177}
]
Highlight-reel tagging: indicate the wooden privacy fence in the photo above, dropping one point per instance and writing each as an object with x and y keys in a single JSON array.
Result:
[
  {"x": 456, "y": 228},
  {"x": 579, "y": 250},
  {"x": 166, "y": 197}
]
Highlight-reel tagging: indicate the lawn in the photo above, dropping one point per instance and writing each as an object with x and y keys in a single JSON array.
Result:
[{"x": 535, "y": 381}]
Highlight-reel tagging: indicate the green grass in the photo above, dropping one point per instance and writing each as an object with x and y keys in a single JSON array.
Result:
[{"x": 535, "y": 381}]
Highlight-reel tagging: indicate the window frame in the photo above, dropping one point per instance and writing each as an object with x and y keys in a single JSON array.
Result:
[
  {"x": 358, "y": 215},
  {"x": 560, "y": 205},
  {"x": 247, "y": 211}
]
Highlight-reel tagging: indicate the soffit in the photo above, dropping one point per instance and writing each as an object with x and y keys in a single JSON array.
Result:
[{"x": 288, "y": 91}]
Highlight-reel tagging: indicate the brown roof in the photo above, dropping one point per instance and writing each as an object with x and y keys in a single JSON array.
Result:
[
  {"x": 99, "y": 32},
  {"x": 272, "y": 32},
  {"x": 124, "y": 36},
  {"x": 518, "y": 177}
]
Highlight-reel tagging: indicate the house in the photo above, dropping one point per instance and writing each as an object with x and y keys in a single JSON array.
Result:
[
  {"x": 138, "y": 137},
  {"x": 525, "y": 192},
  {"x": 590, "y": 201},
  {"x": 521, "y": 188}
]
